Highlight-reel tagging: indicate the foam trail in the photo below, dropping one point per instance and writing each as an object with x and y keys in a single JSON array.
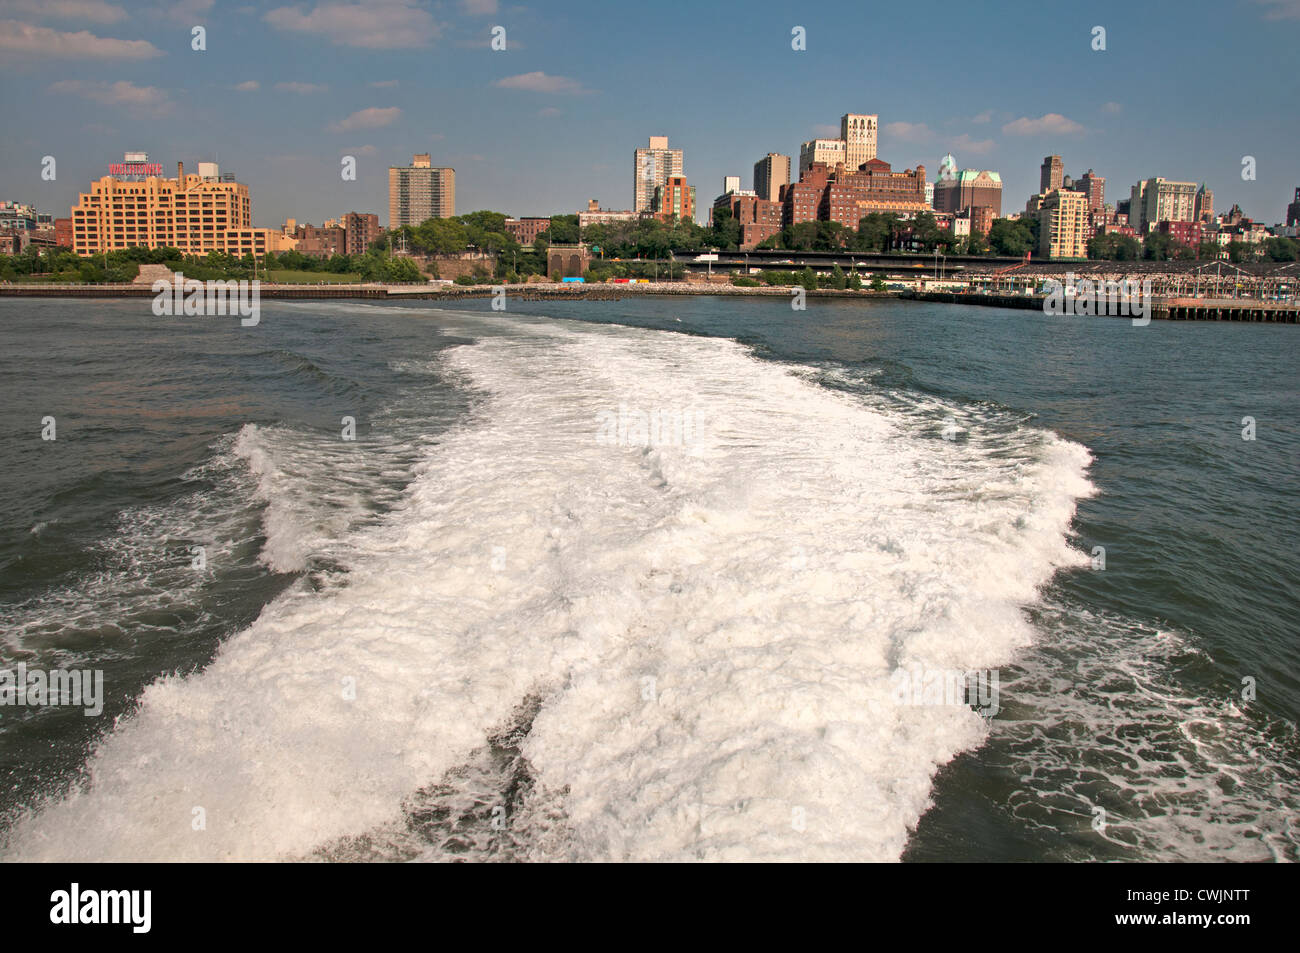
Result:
[{"x": 708, "y": 629}]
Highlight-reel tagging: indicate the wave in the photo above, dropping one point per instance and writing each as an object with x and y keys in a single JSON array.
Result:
[{"x": 701, "y": 624}]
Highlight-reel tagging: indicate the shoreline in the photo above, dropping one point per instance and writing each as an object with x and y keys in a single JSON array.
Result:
[
  {"x": 1179, "y": 308},
  {"x": 533, "y": 291}
]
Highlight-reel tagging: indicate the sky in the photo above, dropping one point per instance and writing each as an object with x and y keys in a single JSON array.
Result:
[{"x": 1184, "y": 89}]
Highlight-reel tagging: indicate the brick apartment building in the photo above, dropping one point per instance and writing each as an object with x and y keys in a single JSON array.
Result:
[
  {"x": 759, "y": 218},
  {"x": 359, "y": 230},
  {"x": 844, "y": 196},
  {"x": 526, "y": 230}
]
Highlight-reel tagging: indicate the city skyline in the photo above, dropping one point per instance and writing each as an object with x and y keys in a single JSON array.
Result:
[{"x": 544, "y": 125}]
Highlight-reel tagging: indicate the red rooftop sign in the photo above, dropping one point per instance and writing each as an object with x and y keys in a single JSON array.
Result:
[{"x": 135, "y": 168}]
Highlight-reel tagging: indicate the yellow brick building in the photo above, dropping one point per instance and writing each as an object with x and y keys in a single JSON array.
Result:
[{"x": 195, "y": 213}]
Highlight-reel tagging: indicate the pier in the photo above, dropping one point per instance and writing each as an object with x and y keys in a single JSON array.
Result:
[{"x": 1163, "y": 308}]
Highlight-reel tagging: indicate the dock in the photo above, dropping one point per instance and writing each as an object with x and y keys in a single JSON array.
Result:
[{"x": 1162, "y": 308}]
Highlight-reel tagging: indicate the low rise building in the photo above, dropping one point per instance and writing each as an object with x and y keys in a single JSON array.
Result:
[
  {"x": 759, "y": 219},
  {"x": 360, "y": 229},
  {"x": 1185, "y": 233},
  {"x": 595, "y": 215},
  {"x": 981, "y": 219},
  {"x": 526, "y": 230}
]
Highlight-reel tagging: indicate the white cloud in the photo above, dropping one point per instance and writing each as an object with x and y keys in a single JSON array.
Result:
[
  {"x": 184, "y": 11},
  {"x": 539, "y": 82},
  {"x": 18, "y": 37},
  {"x": 371, "y": 118},
  {"x": 1112, "y": 109},
  {"x": 907, "y": 131},
  {"x": 1281, "y": 9},
  {"x": 1050, "y": 124},
  {"x": 550, "y": 112},
  {"x": 247, "y": 86},
  {"x": 985, "y": 116},
  {"x": 965, "y": 143},
  {"x": 303, "y": 88},
  {"x": 479, "y": 8},
  {"x": 91, "y": 11},
  {"x": 382, "y": 25},
  {"x": 361, "y": 151},
  {"x": 141, "y": 100},
  {"x": 826, "y": 131},
  {"x": 384, "y": 83}
]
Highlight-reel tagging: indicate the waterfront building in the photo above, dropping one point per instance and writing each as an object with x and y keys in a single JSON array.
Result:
[
  {"x": 1063, "y": 224},
  {"x": 135, "y": 205},
  {"x": 1293, "y": 210},
  {"x": 420, "y": 191},
  {"x": 653, "y": 166},
  {"x": 771, "y": 174}
]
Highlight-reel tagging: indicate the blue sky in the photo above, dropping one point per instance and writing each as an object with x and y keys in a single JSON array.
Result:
[{"x": 1183, "y": 89}]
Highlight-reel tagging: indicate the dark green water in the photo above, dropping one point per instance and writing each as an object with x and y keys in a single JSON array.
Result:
[{"x": 1129, "y": 699}]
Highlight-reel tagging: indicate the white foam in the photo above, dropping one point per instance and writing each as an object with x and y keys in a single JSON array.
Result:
[
  {"x": 1103, "y": 721},
  {"x": 768, "y": 577}
]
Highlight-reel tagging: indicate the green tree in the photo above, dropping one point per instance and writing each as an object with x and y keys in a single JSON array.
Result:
[
  {"x": 1114, "y": 247},
  {"x": 1158, "y": 247},
  {"x": 1282, "y": 249},
  {"x": 829, "y": 236},
  {"x": 563, "y": 230},
  {"x": 1012, "y": 237},
  {"x": 726, "y": 231},
  {"x": 872, "y": 234}
]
